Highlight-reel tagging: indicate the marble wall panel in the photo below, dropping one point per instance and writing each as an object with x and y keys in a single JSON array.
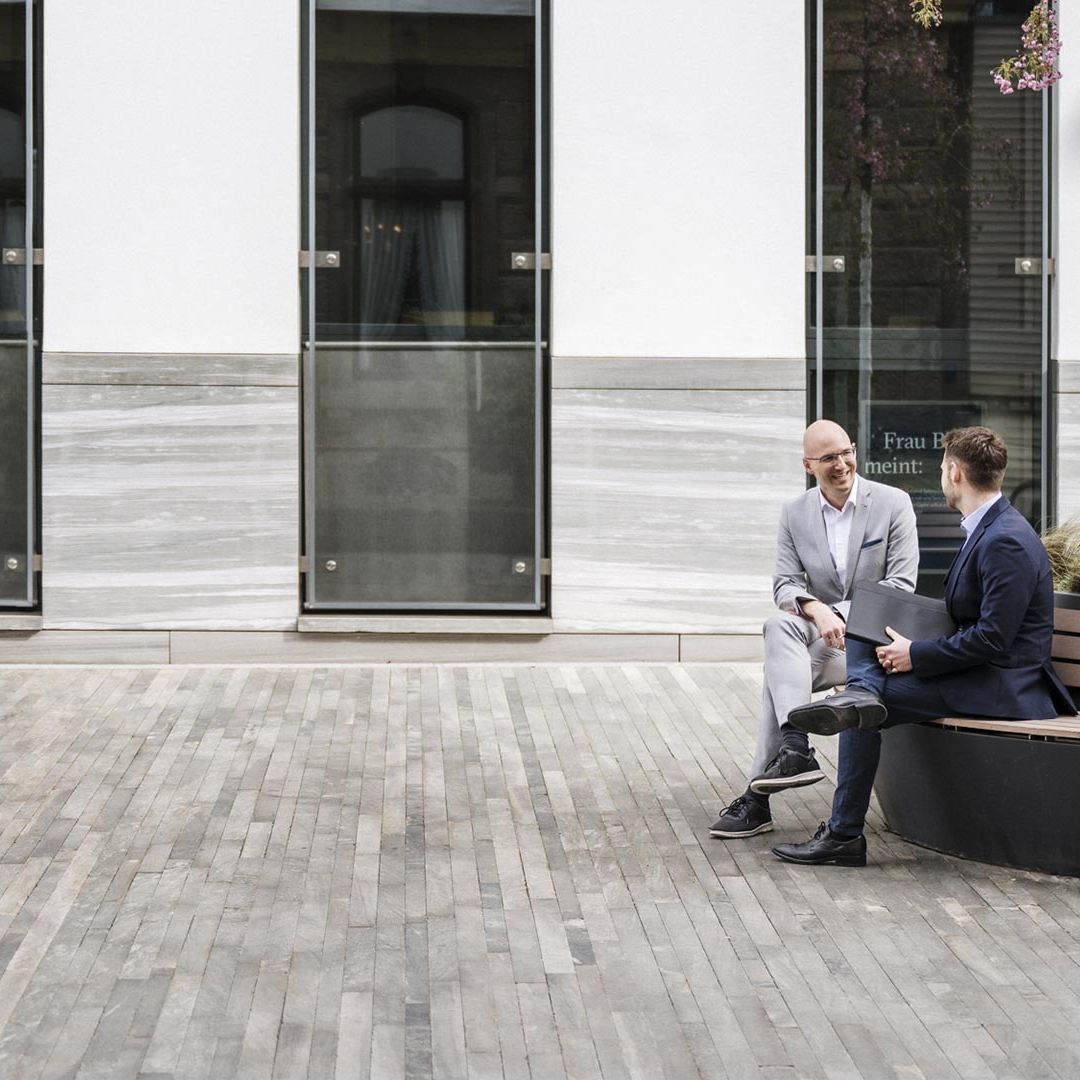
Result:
[
  {"x": 167, "y": 507},
  {"x": 665, "y": 505},
  {"x": 85, "y": 647},
  {"x": 1067, "y": 463},
  {"x": 677, "y": 373},
  {"x": 169, "y": 369}
]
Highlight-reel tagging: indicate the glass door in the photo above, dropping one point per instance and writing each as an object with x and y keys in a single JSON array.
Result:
[
  {"x": 929, "y": 306},
  {"x": 19, "y": 307},
  {"x": 424, "y": 388}
]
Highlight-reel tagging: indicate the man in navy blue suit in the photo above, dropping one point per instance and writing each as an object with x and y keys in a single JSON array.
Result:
[{"x": 1000, "y": 593}]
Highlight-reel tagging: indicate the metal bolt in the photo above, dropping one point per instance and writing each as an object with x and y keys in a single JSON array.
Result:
[
  {"x": 1025, "y": 265},
  {"x": 331, "y": 258},
  {"x": 838, "y": 263},
  {"x": 331, "y": 565},
  {"x": 520, "y": 567},
  {"x": 520, "y": 261},
  {"x": 10, "y": 256},
  {"x": 12, "y": 564}
]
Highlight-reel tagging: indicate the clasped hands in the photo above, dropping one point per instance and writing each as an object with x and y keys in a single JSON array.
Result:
[{"x": 895, "y": 657}]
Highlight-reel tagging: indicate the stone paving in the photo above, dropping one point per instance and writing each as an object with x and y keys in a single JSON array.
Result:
[{"x": 478, "y": 872}]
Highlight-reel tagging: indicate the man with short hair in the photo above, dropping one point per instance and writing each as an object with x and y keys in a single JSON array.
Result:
[
  {"x": 845, "y": 530},
  {"x": 1000, "y": 593}
]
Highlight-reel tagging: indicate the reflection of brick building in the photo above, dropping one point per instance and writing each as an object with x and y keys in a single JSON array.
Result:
[{"x": 601, "y": 480}]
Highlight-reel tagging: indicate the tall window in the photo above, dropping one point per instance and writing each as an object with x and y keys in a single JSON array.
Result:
[
  {"x": 20, "y": 292},
  {"x": 425, "y": 395},
  {"x": 931, "y": 224}
]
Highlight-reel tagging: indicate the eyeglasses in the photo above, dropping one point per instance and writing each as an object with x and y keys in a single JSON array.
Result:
[{"x": 832, "y": 459}]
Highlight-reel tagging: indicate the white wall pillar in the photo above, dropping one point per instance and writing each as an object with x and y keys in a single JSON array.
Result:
[
  {"x": 171, "y": 176},
  {"x": 170, "y": 412},
  {"x": 679, "y": 316}
]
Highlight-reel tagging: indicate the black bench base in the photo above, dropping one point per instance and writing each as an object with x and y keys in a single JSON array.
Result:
[{"x": 998, "y": 798}]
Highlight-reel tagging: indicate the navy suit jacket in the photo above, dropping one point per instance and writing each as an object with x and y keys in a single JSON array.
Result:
[{"x": 1000, "y": 593}]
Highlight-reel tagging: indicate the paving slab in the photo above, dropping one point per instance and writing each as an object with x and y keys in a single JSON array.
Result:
[{"x": 405, "y": 872}]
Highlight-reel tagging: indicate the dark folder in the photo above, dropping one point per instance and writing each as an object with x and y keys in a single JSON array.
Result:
[{"x": 874, "y": 606}]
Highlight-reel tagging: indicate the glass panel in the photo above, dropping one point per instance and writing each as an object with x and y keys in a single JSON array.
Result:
[
  {"x": 423, "y": 376},
  {"x": 425, "y": 488},
  {"x": 932, "y": 191},
  {"x": 13, "y": 501},
  {"x": 425, "y": 173},
  {"x": 16, "y": 525}
]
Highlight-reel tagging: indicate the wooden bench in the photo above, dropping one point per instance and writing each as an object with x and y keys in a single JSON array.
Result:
[{"x": 1000, "y": 791}]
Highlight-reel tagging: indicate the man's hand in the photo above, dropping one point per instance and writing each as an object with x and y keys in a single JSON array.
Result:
[
  {"x": 829, "y": 624},
  {"x": 897, "y": 656}
]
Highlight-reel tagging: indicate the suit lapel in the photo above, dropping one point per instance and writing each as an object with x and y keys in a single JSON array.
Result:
[
  {"x": 816, "y": 523},
  {"x": 964, "y": 554},
  {"x": 858, "y": 532}
]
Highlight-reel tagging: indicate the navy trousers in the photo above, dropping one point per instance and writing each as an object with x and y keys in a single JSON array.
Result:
[{"x": 909, "y": 700}]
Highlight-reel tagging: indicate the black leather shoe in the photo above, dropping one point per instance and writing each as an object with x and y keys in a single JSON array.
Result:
[
  {"x": 848, "y": 709},
  {"x": 824, "y": 849},
  {"x": 787, "y": 770},
  {"x": 744, "y": 817}
]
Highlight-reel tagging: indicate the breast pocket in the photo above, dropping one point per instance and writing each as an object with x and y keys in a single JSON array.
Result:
[{"x": 872, "y": 560}]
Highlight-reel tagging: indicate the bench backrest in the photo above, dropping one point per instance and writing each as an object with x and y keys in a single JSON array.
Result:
[{"x": 1066, "y": 648}]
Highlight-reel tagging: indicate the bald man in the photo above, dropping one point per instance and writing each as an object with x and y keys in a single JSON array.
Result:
[{"x": 845, "y": 530}]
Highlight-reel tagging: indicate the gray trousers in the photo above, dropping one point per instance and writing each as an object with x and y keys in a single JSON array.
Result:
[{"x": 797, "y": 662}]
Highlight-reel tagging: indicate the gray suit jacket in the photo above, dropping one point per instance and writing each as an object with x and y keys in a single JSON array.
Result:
[{"x": 883, "y": 547}]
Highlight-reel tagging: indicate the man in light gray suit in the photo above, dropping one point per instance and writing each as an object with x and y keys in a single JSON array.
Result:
[{"x": 846, "y": 530}]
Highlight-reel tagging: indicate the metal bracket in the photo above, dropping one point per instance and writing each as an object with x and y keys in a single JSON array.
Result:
[
  {"x": 328, "y": 260},
  {"x": 831, "y": 264},
  {"x": 524, "y": 565},
  {"x": 1032, "y": 267},
  {"x": 17, "y": 563},
  {"x": 17, "y": 256},
  {"x": 330, "y": 566},
  {"x": 526, "y": 260}
]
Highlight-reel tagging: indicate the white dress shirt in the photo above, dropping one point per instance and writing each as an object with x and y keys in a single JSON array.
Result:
[{"x": 838, "y": 528}]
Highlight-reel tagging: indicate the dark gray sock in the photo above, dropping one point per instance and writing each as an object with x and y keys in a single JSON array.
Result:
[
  {"x": 791, "y": 739},
  {"x": 754, "y": 797}
]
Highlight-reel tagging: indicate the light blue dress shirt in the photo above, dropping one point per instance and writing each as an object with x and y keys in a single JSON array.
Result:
[{"x": 971, "y": 522}]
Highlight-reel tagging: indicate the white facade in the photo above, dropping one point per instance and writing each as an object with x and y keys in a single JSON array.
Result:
[
  {"x": 171, "y": 439},
  {"x": 172, "y": 194}
]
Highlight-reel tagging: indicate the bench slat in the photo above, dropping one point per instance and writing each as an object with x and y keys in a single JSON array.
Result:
[
  {"x": 1066, "y": 647},
  {"x": 1067, "y": 619},
  {"x": 1061, "y": 727},
  {"x": 1068, "y": 673}
]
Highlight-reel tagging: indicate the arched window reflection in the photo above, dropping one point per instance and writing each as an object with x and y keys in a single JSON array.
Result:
[{"x": 410, "y": 219}]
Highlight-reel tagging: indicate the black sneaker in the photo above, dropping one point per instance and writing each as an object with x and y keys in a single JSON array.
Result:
[
  {"x": 787, "y": 770},
  {"x": 744, "y": 817}
]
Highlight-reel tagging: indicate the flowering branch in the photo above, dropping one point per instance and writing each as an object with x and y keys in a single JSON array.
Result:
[
  {"x": 1035, "y": 67},
  {"x": 926, "y": 13}
]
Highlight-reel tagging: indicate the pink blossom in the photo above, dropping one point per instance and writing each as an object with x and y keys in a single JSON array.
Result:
[{"x": 1035, "y": 67}]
